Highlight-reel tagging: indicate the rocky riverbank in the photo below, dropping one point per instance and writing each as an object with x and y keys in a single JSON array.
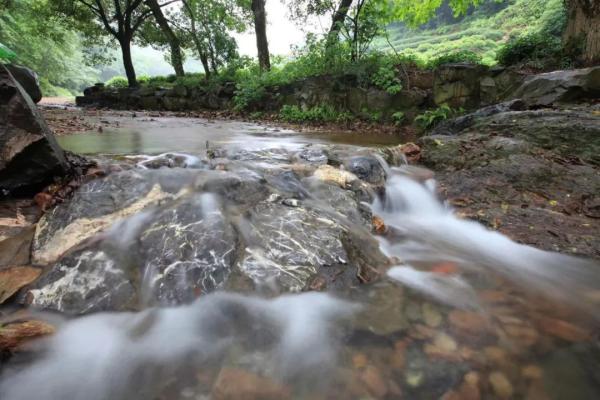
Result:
[{"x": 447, "y": 309}]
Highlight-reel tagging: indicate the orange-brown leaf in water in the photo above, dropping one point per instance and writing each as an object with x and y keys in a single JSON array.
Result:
[
  {"x": 14, "y": 278},
  {"x": 378, "y": 225},
  {"x": 445, "y": 268}
]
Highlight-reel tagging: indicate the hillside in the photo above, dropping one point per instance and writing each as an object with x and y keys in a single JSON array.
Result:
[{"x": 483, "y": 31}]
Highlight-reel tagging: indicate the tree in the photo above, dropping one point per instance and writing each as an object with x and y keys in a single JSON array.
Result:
[
  {"x": 119, "y": 19},
  {"x": 583, "y": 27},
  {"x": 169, "y": 35},
  {"x": 260, "y": 27},
  {"x": 44, "y": 42},
  {"x": 207, "y": 25}
]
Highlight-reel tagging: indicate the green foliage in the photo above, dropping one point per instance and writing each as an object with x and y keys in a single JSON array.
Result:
[
  {"x": 432, "y": 118},
  {"x": 6, "y": 54},
  {"x": 323, "y": 113},
  {"x": 398, "y": 118},
  {"x": 462, "y": 56},
  {"x": 536, "y": 50},
  {"x": 47, "y": 45},
  {"x": 117, "y": 82},
  {"x": 483, "y": 31},
  {"x": 386, "y": 77}
]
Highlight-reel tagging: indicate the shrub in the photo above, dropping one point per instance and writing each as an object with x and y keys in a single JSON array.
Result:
[
  {"x": 386, "y": 77},
  {"x": 533, "y": 49},
  {"x": 432, "y": 118},
  {"x": 117, "y": 82},
  {"x": 322, "y": 113},
  {"x": 462, "y": 56}
]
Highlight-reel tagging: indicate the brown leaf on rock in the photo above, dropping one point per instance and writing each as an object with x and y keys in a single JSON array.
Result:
[
  {"x": 14, "y": 278},
  {"x": 14, "y": 335}
]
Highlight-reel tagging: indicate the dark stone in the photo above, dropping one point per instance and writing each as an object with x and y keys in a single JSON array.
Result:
[
  {"x": 28, "y": 80},
  {"x": 456, "y": 125},
  {"x": 30, "y": 157},
  {"x": 368, "y": 168},
  {"x": 560, "y": 86}
]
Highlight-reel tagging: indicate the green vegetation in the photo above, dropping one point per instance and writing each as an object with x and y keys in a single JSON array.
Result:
[
  {"x": 374, "y": 43},
  {"x": 432, "y": 118},
  {"x": 324, "y": 113},
  {"x": 482, "y": 33},
  {"x": 45, "y": 44}
]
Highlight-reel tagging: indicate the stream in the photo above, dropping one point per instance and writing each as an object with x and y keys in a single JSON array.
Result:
[{"x": 227, "y": 260}]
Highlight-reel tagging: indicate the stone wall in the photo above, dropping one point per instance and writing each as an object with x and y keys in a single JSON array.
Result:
[{"x": 457, "y": 85}]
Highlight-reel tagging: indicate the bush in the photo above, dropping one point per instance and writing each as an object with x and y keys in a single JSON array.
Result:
[
  {"x": 537, "y": 50},
  {"x": 463, "y": 56},
  {"x": 117, "y": 82},
  {"x": 323, "y": 113},
  {"x": 432, "y": 118}
]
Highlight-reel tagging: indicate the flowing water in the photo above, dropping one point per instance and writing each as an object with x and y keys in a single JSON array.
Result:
[{"x": 461, "y": 312}]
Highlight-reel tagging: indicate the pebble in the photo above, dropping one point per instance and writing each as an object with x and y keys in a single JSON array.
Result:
[
  {"x": 501, "y": 385},
  {"x": 374, "y": 381},
  {"x": 445, "y": 343},
  {"x": 563, "y": 330},
  {"x": 432, "y": 317},
  {"x": 468, "y": 323},
  {"x": 496, "y": 355},
  {"x": 524, "y": 335},
  {"x": 414, "y": 378},
  {"x": 237, "y": 384},
  {"x": 359, "y": 360},
  {"x": 532, "y": 372}
]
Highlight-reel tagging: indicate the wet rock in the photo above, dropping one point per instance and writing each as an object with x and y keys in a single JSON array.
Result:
[
  {"x": 289, "y": 245},
  {"x": 327, "y": 173},
  {"x": 382, "y": 312},
  {"x": 14, "y": 336},
  {"x": 188, "y": 250},
  {"x": 96, "y": 206},
  {"x": 237, "y": 384},
  {"x": 432, "y": 317},
  {"x": 501, "y": 385},
  {"x": 458, "y": 85},
  {"x": 459, "y": 124},
  {"x": 12, "y": 279},
  {"x": 17, "y": 227},
  {"x": 467, "y": 323},
  {"x": 28, "y": 80},
  {"x": 367, "y": 168},
  {"x": 84, "y": 282},
  {"x": 30, "y": 157},
  {"x": 560, "y": 86}
]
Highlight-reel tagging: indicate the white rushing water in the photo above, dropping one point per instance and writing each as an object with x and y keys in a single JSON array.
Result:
[
  {"x": 131, "y": 355},
  {"x": 430, "y": 232},
  {"x": 293, "y": 338}
]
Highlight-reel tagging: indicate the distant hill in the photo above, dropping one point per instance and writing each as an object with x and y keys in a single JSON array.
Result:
[{"x": 483, "y": 30}]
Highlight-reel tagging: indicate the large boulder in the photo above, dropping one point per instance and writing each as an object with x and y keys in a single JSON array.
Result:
[
  {"x": 30, "y": 157},
  {"x": 458, "y": 85},
  {"x": 28, "y": 80},
  {"x": 560, "y": 87}
]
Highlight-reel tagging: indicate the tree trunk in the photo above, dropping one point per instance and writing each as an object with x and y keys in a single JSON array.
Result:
[
  {"x": 339, "y": 17},
  {"x": 583, "y": 27},
  {"x": 174, "y": 44},
  {"x": 204, "y": 60},
  {"x": 125, "y": 43},
  {"x": 260, "y": 26}
]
